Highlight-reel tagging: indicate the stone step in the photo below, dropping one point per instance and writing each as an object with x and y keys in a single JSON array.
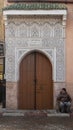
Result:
[
  {"x": 59, "y": 115},
  {"x": 48, "y": 113}
]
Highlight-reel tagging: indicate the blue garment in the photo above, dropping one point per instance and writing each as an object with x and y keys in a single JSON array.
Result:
[{"x": 65, "y": 107}]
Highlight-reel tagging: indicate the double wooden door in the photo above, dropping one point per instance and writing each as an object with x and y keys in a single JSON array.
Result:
[{"x": 35, "y": 82}]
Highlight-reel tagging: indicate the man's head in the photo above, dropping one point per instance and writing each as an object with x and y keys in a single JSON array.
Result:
[{"x": 63, "y": 90}]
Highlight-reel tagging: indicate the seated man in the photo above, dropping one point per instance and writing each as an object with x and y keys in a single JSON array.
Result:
[{"x": 64, "y": 101}]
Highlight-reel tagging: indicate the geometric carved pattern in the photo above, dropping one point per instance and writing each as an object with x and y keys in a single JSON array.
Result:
[
  {"x": 23, "y": 30},
  {"x": 58, "y": 30},
  {"x": 47, "y": 31},
  {"x": 35, "y": 31},
  {"x": 30, "y": 33},
  {"x": 11, "y": 30}
]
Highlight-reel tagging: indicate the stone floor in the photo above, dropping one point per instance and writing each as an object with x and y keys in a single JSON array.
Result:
[
  {"x": 35, "y": 123},
  {"x": 34, "y": 120}
]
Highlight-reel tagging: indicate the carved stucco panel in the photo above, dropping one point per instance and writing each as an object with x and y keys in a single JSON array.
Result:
[
  {"x": 60, "y": 65},
  {"x": 23, "y": 30},
  {"x": 10, "y": 61},
  {"x": 29, "y": 33},
  {"x": 35, "y": 28},
  {"x": 58, "y": 30},
  {"x": 10, "y": 68},
  {"x": 47, "y": 31},
  {"x": 35, "y": 19},
  {"x": 21, "y": 42},
  {"x": 11, "y": 30}
]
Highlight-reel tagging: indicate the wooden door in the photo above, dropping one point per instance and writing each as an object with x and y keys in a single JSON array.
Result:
[{"x": 35, "y": 82}]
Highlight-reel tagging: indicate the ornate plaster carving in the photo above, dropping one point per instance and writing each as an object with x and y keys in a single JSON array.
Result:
[{"x": 35, "y": 33}]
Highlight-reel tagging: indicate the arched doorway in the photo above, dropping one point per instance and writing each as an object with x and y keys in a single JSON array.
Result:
[{"x": 35, "y": 82}]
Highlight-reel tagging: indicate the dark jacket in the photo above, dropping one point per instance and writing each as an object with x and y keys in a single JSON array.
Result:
[{"x": 64, "y": 97}]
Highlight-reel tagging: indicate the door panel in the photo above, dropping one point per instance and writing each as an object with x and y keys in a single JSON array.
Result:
[
  {"x": 44, "y": 82},
  {"x": 26, "y": 83}
]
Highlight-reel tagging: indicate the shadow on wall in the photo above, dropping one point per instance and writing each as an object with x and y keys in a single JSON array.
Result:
[{"x": 3, "y": 93}]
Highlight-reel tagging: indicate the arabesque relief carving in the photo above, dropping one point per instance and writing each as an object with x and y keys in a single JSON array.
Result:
[{"x": 30, "y": 33}]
